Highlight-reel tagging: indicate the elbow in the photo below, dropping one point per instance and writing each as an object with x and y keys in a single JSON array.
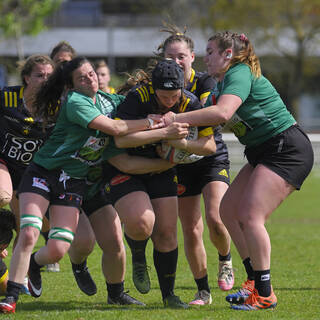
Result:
[
  {"x": 209, "y": 150},
  {"x": 116, "y": 131},
  {"x": 119, "y": 142},
  {"x": 213, "y": 149},
  {"x": 225, "y": 117}
]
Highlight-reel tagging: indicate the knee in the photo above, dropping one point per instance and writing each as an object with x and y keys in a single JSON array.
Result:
[
  {"x": 140, "y": 229},
  {"x": 114, "y": 247},
  {"x": 57, "y": 249},
  {"x": 192, "y": 232},
  {"x": 5, "y": 198},
  {"x": 216, "y": 225},
  {"x": 28, "y": 237},
  {"x": 84, "y": 243},
  {"x": 166, "y": 238}
]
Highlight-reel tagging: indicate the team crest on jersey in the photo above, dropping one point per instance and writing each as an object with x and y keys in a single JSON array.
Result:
[
  {"x": 118, "y": 179},
  {"x": 175, "y": 179},
  {"x": 40, "y": 183},
  {"x": 25, "y": 131}
]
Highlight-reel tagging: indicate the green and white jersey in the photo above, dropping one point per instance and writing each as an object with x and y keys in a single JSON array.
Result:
[
  {"x": 72, "y": 146},
  {"x": 262, "y": 114},
  {"x": 94, "y": 180}
]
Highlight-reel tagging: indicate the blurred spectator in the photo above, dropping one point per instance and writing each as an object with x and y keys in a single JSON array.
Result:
[{"x": 103, "y": 74}]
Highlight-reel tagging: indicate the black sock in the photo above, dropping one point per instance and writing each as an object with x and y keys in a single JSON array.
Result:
[
  {"x": 115, "y": 289},
  {"x": 262, "y": 282},
  {"x": 80, "y": 266},
  {"x": 166, "y": 266},
  {"x": 13, "y": 289},
  {"x": 203, "y": 283},
  {"x": 45, "y": 235},
  {"x": 225, "y": 258},
  {"x": 138, "y": 249},
  {"x": 247, "y": 264},
  {"x": 33, "y": 264}
]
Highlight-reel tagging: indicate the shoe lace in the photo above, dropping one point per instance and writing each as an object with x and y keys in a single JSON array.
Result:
[
  {"x": 252, "y": 299},
  {"x": 202, "y": 294},
  {"x": 247, "y": 286},
  {"x": 225, "y": 272},
  {"x": 141, "y": 270}
]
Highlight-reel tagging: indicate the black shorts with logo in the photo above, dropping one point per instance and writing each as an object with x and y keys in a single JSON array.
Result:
[
  {"x": 100, "y": 199},
  {"x": 192, "y": 178},
  {"x": 156, "y": 185},
  {"x": 54, "y": 185},
  {"x": 289, "y": 154}
]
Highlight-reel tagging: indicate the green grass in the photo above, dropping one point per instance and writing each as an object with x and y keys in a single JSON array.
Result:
[{"x": 295, "y": 236}]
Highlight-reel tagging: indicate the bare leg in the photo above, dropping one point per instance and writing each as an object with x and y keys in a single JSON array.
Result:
[
  {"x": 107, "y": 227},
  {"x": 192, "y": 227}
]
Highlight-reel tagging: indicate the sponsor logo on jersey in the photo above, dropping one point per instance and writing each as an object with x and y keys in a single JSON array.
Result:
[
  {"x": 40, "y": 183},
  {"x": 120, "y": 178},
  {"x": 21, "y": 149},
  {"x": 91, "y": 152}
]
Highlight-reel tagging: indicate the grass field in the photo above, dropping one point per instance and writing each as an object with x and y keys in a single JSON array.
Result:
[{"x": 295, "y": 235}]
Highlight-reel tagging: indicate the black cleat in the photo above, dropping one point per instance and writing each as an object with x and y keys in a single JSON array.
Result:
[
  {"x": 85, "y": 281},
  {"x": 124, "y": 299},
  {"x": 34, "y": 282}
]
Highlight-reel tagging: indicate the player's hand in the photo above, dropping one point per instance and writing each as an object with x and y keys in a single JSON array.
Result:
[
  {"x": 156, "y": 121},
  {"x": 177, "y": 130},
  {"x": 3, "y": 253},
  {"x": 169, "y": 118}
]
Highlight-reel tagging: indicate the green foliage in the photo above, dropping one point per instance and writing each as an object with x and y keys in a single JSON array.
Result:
[
  {"x": 295, "y": 268},
  {"x": 25, "y": 16},
  {"x": 290, "y": 28}
]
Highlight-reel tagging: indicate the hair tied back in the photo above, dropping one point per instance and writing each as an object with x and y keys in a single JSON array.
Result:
[{"x": 243, "y": 37}]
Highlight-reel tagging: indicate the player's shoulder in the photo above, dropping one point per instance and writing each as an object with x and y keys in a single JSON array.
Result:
[
  {"x": 16, "y": 90},
  {"x": 142, "y": 92},
  {"x": 11, "y": 96},
  {"x": 204, "y": 78},
  {"x": 189, "y": 102}
]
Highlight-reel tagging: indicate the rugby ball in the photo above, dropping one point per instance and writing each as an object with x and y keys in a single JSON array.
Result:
[{"x": 175, "y": 155}]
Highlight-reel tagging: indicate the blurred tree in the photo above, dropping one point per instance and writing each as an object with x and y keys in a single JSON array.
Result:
[
  {"x": 289, "y": 28},
  {"x": 24, "y": 17}
]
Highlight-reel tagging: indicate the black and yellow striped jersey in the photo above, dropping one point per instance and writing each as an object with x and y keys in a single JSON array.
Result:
[
  {"x": 200, "y": 84},
  {"x": 20, "y": 134},
  {"x": 141, "y": 101}
]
